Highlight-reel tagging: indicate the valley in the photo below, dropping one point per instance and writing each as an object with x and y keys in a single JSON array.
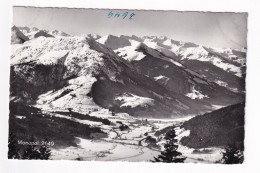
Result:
[{"x": 114, "y": 98}]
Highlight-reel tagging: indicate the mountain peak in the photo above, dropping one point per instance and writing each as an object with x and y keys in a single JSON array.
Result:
[
  {"x": 114, "y": 42},
  {"x": 58, "y": 33},
  {"x": 17, "y": 36}
]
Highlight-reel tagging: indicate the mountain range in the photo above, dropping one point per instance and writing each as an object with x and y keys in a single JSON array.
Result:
[{"x": 149, "y": 76}]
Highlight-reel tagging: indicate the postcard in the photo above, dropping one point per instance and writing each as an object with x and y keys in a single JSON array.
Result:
[{"x": 127, "y": 85}]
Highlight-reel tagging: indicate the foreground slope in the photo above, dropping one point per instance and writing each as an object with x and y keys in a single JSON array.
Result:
[
  {"x": 218, "y": 128},
  {"x": 25, "y": 121}
]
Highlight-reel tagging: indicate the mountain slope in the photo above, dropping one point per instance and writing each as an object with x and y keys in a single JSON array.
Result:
[
  {"x": 176, "y": 76},
  {"x": 225, "y": 67},
  {"x": 118, "y": 79},
  {"x": 218, "y": 128},
  {"x": 53, "y": 67},
  {"x": 25, "y": 121}
]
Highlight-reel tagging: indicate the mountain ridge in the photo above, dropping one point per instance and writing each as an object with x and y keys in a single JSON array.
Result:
[{"x": 150, "y": 70}]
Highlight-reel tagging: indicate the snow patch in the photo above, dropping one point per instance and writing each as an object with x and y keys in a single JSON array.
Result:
[
  {"x": 181, "y": 132},
  {"x": 75, "y": 97},
  {"x": 129, "y": 53},
  {"x": 54, "y": 57},
  {"x": 194, "y": 94},
  {"x": 20, "y": 117},
  {"x": 221, "y": 83},
  {"x": 201, "y": 54},
  {"x": 176, "y": 63},
  {"x": 133, "y": 101},
  {"x": 160, "y": 77},
  {"x": 215, "y": 107}
]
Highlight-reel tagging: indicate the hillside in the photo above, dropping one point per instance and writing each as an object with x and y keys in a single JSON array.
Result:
[
  {"x": 25, "y": 121},
  {"x": 218, "y": 128}
]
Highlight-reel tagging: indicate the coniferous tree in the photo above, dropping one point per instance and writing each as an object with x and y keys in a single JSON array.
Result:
[
  {"x": 13, "y": 151},
  {"x": 31, "y": 151},
  {"x": 170, "y": 154},
  {"x": 45, "y": 152},
  {"x": 232, "y": 155}
]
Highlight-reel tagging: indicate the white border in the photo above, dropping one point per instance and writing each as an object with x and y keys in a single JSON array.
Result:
[{"x": 252, "y": 141}]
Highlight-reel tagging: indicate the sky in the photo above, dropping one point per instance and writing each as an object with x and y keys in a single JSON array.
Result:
[{"x": 204, "y": 28}]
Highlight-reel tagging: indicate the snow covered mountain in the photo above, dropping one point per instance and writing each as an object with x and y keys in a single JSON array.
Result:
[
  {"x": 17, "y": 36},
  {"x": 224, "y": 66},
  {"x": 142, "y": 76},
  {"x": 116, "y": 97},
  {"x": 194, "y": 71}
]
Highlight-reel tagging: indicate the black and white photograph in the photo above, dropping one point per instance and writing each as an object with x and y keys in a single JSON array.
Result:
[{"x": 127, "y": 85}]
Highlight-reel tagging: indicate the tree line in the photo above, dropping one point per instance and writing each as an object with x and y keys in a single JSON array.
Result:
[{"x": 232, "y": 154}]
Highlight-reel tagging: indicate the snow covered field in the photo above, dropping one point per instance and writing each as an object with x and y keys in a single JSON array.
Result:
[{"x": 131, "y": 144}]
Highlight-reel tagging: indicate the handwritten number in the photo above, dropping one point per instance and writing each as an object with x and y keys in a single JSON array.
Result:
[
  {"x": 124, "y": 15},
  {"x": 117, "y": 15},
  {"x": 132, "y": 15},
  {"x": 110, "y": 14}
]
